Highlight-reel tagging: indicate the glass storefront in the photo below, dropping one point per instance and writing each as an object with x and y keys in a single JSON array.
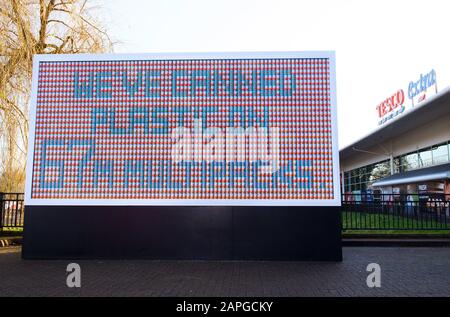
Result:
[{"x": 362, "y": 178}]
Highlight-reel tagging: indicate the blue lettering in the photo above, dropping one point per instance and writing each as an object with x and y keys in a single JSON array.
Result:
[
  {"x": 136, "y": 169},
  {"x": 175, "y": 92},
  {"x": 131, "y": 88},
  {"x": 59, "y": 183},
  {"x": 99, "y": 116},
  {"x": 84, "y": 159},
  {"x": 114, "y": 128},
  {"x": 103, "y": 169},
  {"x": 229, "y": 83},
  {"x": 152, "y": 85},
  {"x": 201, "y": 79},
  {"x": 101, "y": 84},
  {"x": 157, "y": 120},
  {"x": 83, "y": 89},
  {"x": 267, "y": 85},
  {"x": 286, "y": 74},
  {"x": 246, "y": 82},
  {"x": 139, "y": 115}
]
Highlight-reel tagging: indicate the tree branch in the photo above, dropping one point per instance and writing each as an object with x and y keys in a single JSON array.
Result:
[{"x": 59, "y": 21}]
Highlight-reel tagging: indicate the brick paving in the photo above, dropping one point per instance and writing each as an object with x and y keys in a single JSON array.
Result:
[{"x": 404, "y": 272}]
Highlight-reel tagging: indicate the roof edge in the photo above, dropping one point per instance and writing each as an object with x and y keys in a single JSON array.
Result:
[
  {"x": 412, "y": 179},
  {"x": 413, "y": 110}
]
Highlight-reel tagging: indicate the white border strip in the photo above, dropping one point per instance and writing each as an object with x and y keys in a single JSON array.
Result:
[
  {"x": 412, "y": 179},
  {"x": 183, "y": 202}
]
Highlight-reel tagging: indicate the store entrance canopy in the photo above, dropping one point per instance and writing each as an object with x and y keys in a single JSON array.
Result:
[{"x": 421, "y": 175}]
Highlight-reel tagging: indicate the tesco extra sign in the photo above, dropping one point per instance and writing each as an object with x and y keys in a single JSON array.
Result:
[
  {"x": 422, "y": 84},
  {"x": 417, "y": 92}
]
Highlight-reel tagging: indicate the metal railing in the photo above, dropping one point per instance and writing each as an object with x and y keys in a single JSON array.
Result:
[
  {"x": 420, "y": 211},
  {"x": 12, "y": 211}
]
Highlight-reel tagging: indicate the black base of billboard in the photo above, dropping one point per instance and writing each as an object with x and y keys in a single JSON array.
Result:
[{"x": 187, "y": 233}]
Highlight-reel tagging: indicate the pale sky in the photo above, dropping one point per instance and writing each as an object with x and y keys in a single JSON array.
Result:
[{"x": 380, "y": 45}]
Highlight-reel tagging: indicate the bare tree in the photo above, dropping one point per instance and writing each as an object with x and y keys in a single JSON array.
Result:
[{"x": 30, "y": 27}]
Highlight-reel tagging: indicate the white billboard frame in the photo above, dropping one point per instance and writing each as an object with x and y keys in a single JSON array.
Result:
[{"x": 38, "y": 58}]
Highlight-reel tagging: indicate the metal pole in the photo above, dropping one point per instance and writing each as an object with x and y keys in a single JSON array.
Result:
[
  {"x": 391, "y": 161},
  {"x": 2, "y": 213}
]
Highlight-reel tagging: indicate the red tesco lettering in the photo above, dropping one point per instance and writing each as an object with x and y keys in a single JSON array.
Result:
[{"x": 391, "y": 103}]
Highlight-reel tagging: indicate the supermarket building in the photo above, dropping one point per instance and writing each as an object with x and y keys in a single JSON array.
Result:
[{"x": 408, "y": 154}]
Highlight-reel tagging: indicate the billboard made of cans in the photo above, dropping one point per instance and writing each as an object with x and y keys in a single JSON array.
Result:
[{"x": 226, "y": 129}]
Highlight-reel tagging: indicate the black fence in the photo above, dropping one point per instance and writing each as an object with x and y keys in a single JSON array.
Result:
[
  {"x": 360, "y": 212},
  {"x": 12, "y": 210},
  {"x": 422, "y": 211}
]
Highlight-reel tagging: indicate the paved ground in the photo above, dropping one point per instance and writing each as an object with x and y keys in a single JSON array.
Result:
[{"x": 404, "y": 272}]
